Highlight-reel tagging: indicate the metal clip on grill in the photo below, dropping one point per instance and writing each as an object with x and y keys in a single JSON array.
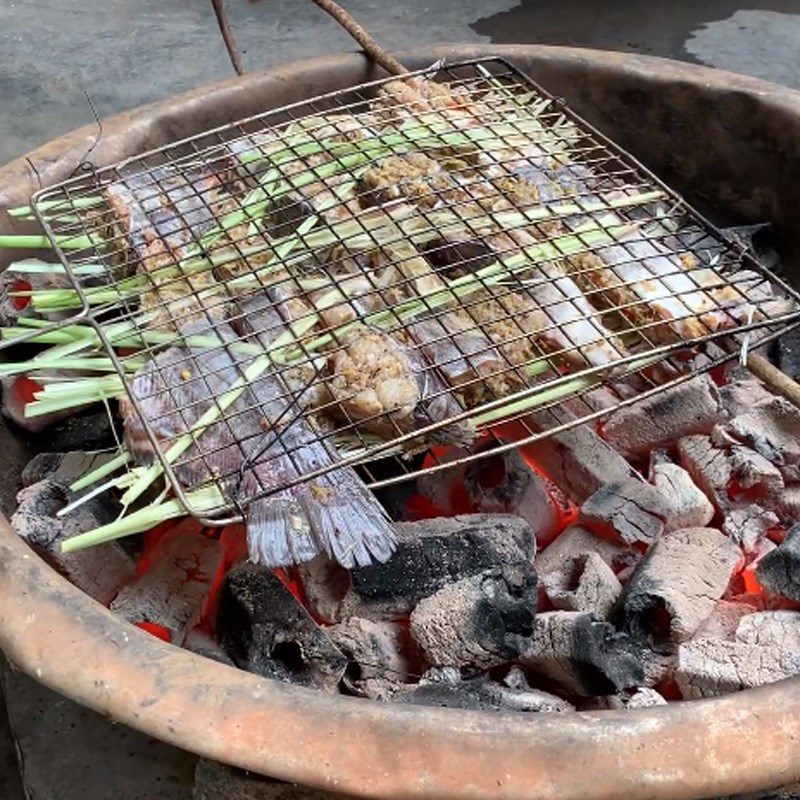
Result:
[{"x": 364, "y": 274}]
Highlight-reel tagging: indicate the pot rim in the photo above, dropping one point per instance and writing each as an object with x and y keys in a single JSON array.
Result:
[{"x": 57, "y": 634}]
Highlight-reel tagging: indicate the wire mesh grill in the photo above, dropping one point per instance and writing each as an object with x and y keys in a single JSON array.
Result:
[{"x": 351, "y": 279}]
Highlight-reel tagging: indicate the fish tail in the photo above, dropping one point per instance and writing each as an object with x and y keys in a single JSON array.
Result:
[{"x": 334, "y": 513}]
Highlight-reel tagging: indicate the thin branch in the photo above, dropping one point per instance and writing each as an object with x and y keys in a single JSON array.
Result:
[
  {"x": 227, "y": 35},
  {"x": 354, "y": 28}
]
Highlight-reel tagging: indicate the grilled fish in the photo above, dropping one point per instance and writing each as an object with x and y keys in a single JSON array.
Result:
[
  {"x": 380, "y": 385},
  {"x": 259, "y": 446}
]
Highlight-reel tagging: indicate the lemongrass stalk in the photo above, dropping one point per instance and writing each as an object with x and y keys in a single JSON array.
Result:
[
  {"x": 101, "y": 472},
  {"x": 55, "y": 205},
  {"x": 39, "y": 242},
  {"x": 206, "y": 500},
  {"x": 57, "y": 396},
  {"x": 36, "y": 266},
  {"x": 61, "y": 362},
  {"x": 274, "y": 354}
]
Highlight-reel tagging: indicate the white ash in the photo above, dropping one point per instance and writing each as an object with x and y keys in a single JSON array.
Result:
[
  {"x": 478, "y": 622},
  {"x": 574, "y": 542},
  {"x": 446, "y": 688},
  {"x": 742, "y": 395},
  {"x": 788, "y": 506},
  {"x": 724, "y": 620},
  {"x": 748, "y": 525},
  {"x": 713, "y": 667},
  {"x": 676, "y": 585},
  {"x": 586, "y": 583},
  {"x": 642, "y": 697},
  {"x": 689, "y": 408},
  {"x": 771, "y": 629},
  {"x": 172, "y": 591},
  {"x": 773, "y": 430},
  {"x": 708, "y": 465},
  {"x": 584, "y": 656},
  {"x": 742, "y": 484},
  {"x": 689, "y": 506},
  {"x": 634, "y": 509}
]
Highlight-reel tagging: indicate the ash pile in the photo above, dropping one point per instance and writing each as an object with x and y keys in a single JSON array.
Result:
[{"x": 653, "y": 556}]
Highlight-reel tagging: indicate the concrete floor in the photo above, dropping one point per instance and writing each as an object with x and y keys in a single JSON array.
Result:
[
  {"x": 55, "y": 54},
  {"x": 121, "y": 53}
]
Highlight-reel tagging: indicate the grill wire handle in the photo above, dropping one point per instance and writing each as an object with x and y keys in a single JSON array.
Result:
[{"x": 344, "y": 18}]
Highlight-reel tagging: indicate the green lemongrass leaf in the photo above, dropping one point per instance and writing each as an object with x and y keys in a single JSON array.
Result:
[
  {"x": 102, "y": 471},
  {"x": 35, "y": 266},
  {"x": 40, "y": 242},
  {"x": 62, "y": 362},
  {"x": 60, "y": 395},
  {"x": 204, "y": 500},
  {"x": 277, "y": 353},
  {"x": 55, "y": 205}
]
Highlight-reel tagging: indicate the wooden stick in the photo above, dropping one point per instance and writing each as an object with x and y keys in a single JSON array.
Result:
[
  {"x": 371, "y": 47},
  {"x": 779, "y": 382},
  {"x": 227, "y": 35}
]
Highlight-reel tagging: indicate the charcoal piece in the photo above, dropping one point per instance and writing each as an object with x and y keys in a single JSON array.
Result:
[
  {"x": 643, "y": 697},
  {"x": 773, "y": 430},
  {"x": 709, "y": 467},
  {"x": 748, "y": 524},
  {"x": 432, "y": 553},
  {"x": 575, "y": 542},
  {"x": 788, "y": 505},
  {"x": 326, "y": 585},
  {"x": 205, "y": 645},
  {"x": 689, "y": 408},
  {"x": 689, "y": 507},
  {"x": 740, "y": 395},
  {"x": 215, "y": 781},
  {"x": 676, "y": 586},
  {"x": 741, "y": 483},
  {"x": 583, "y": 655},
  {"x": 779, "y": 570},
  {"x": 381, "y": 657},
  {"x": 62, "y": 468},
  {"x": 504, "y": 483},
  {"x": 760, "y": 478},
  {"x": 636, "y": 511},
  {"x": 13, "y": 282},
  {"x": 770, "y": 629},
  {"x": 99, "y": 571},
  {"x": 713, "y": 667},
  {"x": 265, "y": 630},
  {"x": 577, "y": 460},
  {"x": 172, "y": 591},
  {"x": 478, "y": 622},
  {"x": 587, "y": 583},
  {"x": 446, "y": 689},
  {"x": 657, "y": 667},
  {"x": 724, "y": 620},
  {"x": 92, "y": 431}
]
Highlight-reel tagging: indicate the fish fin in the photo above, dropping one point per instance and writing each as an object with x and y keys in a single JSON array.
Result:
[
  {"x": 334, "y": 513},
  {"x": 347, "y": 520},
  {"x": 279, "y": 531}
]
